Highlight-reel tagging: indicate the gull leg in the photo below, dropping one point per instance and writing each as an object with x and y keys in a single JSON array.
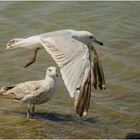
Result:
[
  {"x": 29, "y": 111},
  {"x": 33, "y": 59},
  {"x": 33, "y": 109}
]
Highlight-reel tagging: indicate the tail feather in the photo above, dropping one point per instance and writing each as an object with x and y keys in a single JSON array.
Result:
[{"x": 4, "y": 90}]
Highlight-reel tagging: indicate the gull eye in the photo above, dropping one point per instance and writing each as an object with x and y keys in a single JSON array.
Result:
[
  {"x": 91, "y": 37},
  {"x": 50, "y": 70}
]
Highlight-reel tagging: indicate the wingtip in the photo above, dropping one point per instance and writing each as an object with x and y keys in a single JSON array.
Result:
[
  {"x": 104, "y": 87},
  {"x": 83, "y": 116}
]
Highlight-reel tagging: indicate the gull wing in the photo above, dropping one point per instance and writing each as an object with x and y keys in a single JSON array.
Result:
[
  {"x": 72, "y": 57},
  {"x": 22, "y": 90}
]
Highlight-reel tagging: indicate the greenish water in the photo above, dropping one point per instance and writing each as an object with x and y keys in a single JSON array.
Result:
[{"x": 115, "y": 112}]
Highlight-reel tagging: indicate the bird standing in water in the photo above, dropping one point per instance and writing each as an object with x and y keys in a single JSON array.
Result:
[{"x": 32, "y": 92}]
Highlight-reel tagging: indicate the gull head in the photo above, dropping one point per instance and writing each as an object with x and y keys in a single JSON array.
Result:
[
  {"x": 52, "y": 72},
  {"x": 86, "y": 37}
]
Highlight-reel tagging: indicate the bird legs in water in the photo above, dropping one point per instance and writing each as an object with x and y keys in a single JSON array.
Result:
[
  {"x": 33, "y": 59},
  {"x": 30, "y": 111}
]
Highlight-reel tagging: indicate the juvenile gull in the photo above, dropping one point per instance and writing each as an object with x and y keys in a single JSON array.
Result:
[
  {"x": 77, "y": 58},
  {"x": 32, "y": 92}
]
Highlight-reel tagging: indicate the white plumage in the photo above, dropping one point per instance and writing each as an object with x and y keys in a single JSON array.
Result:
[
  {"x": 77, "y": 58},
  {"x": 32, "y": 92}
]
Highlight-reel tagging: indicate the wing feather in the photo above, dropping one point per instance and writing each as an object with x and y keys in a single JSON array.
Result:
[
  {"x": 22, "y": 90},
  {"x": 82, "y": 98},
  {"x": 71, "y": 56},
  {"x": 77, "y": 67},
  {"x": 97, "y": 70}
]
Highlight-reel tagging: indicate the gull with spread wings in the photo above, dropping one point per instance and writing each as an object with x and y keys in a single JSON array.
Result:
[{"x": 77, "y": 58}]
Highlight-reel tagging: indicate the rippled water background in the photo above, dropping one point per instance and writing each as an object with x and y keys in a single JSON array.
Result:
[{"x": 114, "y": 113}]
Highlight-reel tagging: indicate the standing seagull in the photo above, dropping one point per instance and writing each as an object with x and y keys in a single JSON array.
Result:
[
  {"x": 32, "y": 92},
  {"x": 77, "y": 58}
]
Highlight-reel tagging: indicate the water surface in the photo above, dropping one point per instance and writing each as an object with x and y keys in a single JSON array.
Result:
[{"x": 115, "y": 112}]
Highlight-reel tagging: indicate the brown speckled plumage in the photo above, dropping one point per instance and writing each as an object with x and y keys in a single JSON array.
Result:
[{"x": 32, "y": 92}]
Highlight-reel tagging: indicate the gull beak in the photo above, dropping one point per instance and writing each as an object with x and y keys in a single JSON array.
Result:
[
  {"x": 56, "y": 75},
  {"x": 98, "y": 42}
]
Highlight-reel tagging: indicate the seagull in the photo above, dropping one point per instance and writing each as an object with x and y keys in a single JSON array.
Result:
[
  {"x": 77, "y": 59},
  {"x": 32, "y": 92}
]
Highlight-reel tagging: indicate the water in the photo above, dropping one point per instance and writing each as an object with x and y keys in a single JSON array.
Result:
[{"x": 115, "y": 112}]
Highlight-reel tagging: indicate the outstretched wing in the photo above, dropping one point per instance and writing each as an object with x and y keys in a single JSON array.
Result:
[{"x": 72, "y": 57}]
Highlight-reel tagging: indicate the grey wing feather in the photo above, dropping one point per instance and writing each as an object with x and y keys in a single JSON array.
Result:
[{"x": 56, "y": 34}]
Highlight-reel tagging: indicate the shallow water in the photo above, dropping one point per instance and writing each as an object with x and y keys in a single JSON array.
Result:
[{"x": 115, "y": 112}]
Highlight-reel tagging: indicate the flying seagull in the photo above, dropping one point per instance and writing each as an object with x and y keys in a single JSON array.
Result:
[
  {"x": 77, "y": 58},
  {"x": 32, "y": 92}
]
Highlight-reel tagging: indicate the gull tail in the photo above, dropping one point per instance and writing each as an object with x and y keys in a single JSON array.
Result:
[
  {"x": 82, "y": 98},
  {"x": 4, "y": 90}
]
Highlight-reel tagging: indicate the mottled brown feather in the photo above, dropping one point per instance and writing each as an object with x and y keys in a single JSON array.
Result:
[{"x": 83, "y": 99}]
